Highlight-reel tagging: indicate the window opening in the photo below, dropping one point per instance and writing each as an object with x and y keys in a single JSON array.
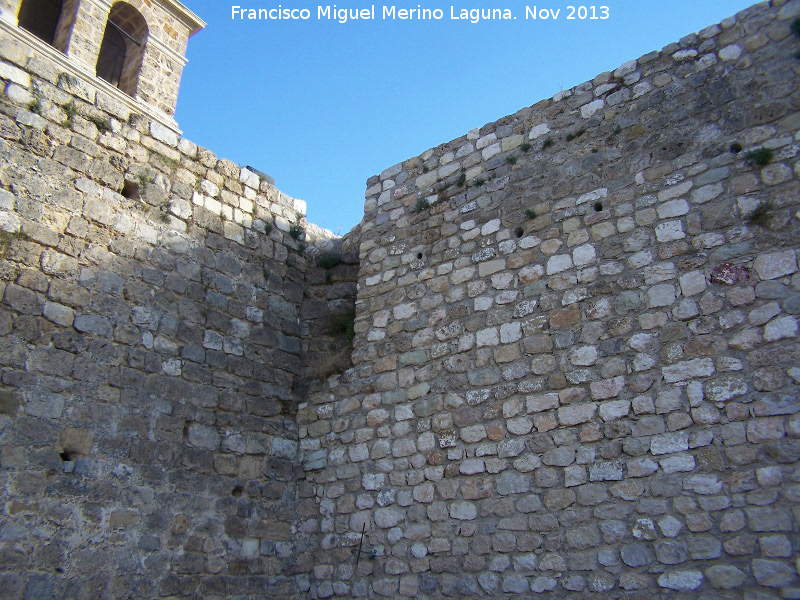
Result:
[
  {"x": 112, "y": 56},
  {"x": 40, "y": 17},
  {"x": 122, "y": 50}
]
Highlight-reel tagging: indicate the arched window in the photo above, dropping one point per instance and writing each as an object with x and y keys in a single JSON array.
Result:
[
  {"x": 40, "y": 17},
  {"x": 122, "y": 50},
  {"x": 112, "y": 56}
]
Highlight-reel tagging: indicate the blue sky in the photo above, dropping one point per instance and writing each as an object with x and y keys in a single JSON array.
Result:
[{"x": 322, "y": 105}]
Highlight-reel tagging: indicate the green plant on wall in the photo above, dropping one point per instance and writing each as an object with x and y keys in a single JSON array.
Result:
[
  {"x": 35, "y": 105},
  {"x": 420, "y": 205},
  {"x": 165, "y": 208},
  {"x": 576, "y": 135},
  {"x": 70, "y": 110},
  {"x": 296, "y": 231},
  {"x": 547, "y": 143},
  {"x": 759, "y": 156},
  {"x": 103, "y": 124},
  {"x": 761, "y": 215},
  {"x": 328, "y": 260},
  {"x": 530, "y": 213}
]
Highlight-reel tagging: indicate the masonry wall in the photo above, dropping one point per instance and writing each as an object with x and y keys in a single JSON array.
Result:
[
  {"x": 150, "y": 350},
  {"x": 576, "y": 357}
]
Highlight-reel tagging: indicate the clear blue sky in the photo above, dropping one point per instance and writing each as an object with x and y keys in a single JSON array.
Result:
[{"x": 322, "y": 105}]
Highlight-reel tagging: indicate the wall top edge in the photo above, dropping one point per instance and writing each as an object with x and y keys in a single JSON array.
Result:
[
  {"x": 194, "y": 22},
  {"x": 684, "y": 44}
]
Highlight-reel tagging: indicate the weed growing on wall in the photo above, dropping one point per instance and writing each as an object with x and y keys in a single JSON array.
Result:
[
  {"x": 328, "y": 260},
  {"x": 759, "y": 156},
  {"x": 165, "y": 208},
  {"x": 761, "y": 215},
  {"x": 576, "y": 135},
  {"x": 35, "y": 106},
  {"x": 103, "y": 125},
  {"x": 420, "y": 205},
  {"x": 70, "y": 110}
]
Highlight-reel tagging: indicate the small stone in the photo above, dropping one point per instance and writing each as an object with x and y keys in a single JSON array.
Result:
[
  {"x": 576, "y": 413},
  {"x": 614, "y": 409},
  {"x": 660, "y": 295},
  {"x": 772, "y": 573},
  {"x": 693, "y": 283},
  {"x": 644, "y": 529},
  {"x": 671, "y": 553},
  {"x": 690, "y": 369},
  {"x": 669, "y": 443},
  {"x": 386, "y": 518},
  {"x": 725, "y": 577},
  {"x": 58, "y": 314},
  {"x": 559, "y": 263},
  {"x": 670, "y": 231},
  {"x": 515, "y": 584},
  {"x": 768, "y": 519},
  {"x": 609, "y": 388},
  {"x": 463, "y": 511},
  {"x": 776, "y": 546},
  {"x": 780, "y": 328},
  {"x": 681, "y": 581},
  {"x": 670, "y": 526},
  {"x": 203, "y": 437},
  {"x": 637, "y": 555},
  {"x": 729, "y": 274},
  {"x": 93, "y": 324},
  {"x": 776, "y": 264}
]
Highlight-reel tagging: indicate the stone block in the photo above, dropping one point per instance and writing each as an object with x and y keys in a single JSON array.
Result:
[
  {"x": 775, "y": 264},
  {"x": 576, "y": 414}
]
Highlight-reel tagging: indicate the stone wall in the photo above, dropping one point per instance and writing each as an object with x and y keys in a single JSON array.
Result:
[
  {"x": 150, "y": 350},
  {"x": 576, "y": 356},
  {"x": 574, "y": 364}
]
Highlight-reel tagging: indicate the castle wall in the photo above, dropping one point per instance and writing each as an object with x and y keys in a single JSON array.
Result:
[
  {"x": 576, "y": 356},
  {"x": 150, "y": 349}
]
